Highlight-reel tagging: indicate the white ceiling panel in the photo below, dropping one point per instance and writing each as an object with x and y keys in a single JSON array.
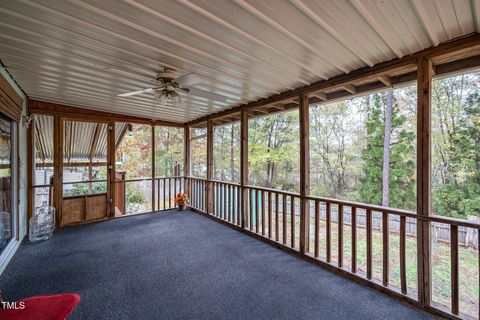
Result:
[{"x": 85, "y": 53}]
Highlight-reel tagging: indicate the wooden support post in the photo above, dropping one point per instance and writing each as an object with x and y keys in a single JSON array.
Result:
[
  {"x": 209, "y": 193},
  {"x": 244, "y": 166},
  {"x": 111, "y": 167},
  {"x": 424, "y": 82},
  {"x": 153, "y": 168},
  {"x": 304, "y": 174},
  {"x": 30, "y": 171},
  {"x": 58, "y": 167},
  {"x": 186, "y": 158}
]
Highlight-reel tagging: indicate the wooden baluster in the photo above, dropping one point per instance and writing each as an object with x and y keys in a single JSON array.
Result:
[
  {"x": 369, "y": 243},
  {"x": 292, "y": 221},
  {"x": 263, "y": 212},
  {"x": 197, "y": 193},
  {"x": 454, "y": 267},
  {"x": 230, "y": 204},
  {"x": 277, "y": 219},
  {"x": 317, "y": 228},
  {"x": 224, "y": 202},
  {"x": 170, "y": 193},
  {"x": 239, "y": 218},
  {"x": 284, "y": 205},
  {"x": 164, "y": 193},
  {"x": 328, "y": 233},
  {"x": 174, "y": 187},
  {"x": 214, "y": 195},
  {"x": 478, "y": 241},
  {"x": 158, "y": 194},
  {"x": 251, "y": 209},
  {"x": 385, "y": 247},
  {"x": 200, "y": 194},
  {"x": 192, "y": 187},
  {"x": 257, "y": 212},
  {"x": 354, "y": 239},
  {"x": 403, "y": 269},
  {"x": 219, "y": 200},
  {"x": 269, "y": 215},
  {"x": 204, "y": 196},
  {"x": 340, "y": 235}
]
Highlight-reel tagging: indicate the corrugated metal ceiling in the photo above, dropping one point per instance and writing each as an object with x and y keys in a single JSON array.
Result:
[
  {"x": 78, "y": 140},
  {"x": 87, "y": 52}
]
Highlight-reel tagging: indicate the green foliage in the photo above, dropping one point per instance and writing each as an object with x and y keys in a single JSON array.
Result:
[
  {"x": 456, "y": 116},
  {"x": 273, "y": 154},
  {"x": 402, "y": 161},
  {"x": 134, "y": 194},
  {"x": 80, "y": 189},
  {"x": 168, "y": 150}
]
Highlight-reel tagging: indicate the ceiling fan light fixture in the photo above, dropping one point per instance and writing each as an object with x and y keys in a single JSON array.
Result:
[{"x": 175, "y": 98}]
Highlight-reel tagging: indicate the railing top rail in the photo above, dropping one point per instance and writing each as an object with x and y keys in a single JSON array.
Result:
[
  {"x": 148, "y": 179},
  {"x": 372, "y": 207},
  {"x": 288, "y": 193},
  {"x": 195, "y": 178},
  {"x": 365, "y": 206},
  {"x": 86, "y": 181},
  {"x": 454, "y": 221},
  {"x": 168, "y": 177},
  {"x": 226, "y": 182}
]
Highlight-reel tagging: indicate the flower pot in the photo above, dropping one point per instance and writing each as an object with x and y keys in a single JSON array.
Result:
[{"x": 182, "y": 207}]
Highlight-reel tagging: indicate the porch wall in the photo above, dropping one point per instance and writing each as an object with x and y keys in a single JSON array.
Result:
[{"x": 22, "y": 172}]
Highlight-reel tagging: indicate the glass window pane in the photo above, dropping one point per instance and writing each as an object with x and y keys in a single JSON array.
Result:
[{"x": 6, "y": 181}]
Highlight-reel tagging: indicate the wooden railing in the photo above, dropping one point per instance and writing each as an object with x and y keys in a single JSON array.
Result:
[
  {"x": 226, "y": 201},
  {"x": 198, "y": 188},
  {"x": 156, "y": 194},
  {"x": 275, "y": 215},
  {"x": 166, "y": 188}
]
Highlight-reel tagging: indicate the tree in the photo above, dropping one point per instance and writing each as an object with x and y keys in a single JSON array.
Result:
[
  {"x": 401, "y": 162},
  {"x": 456, "y": 146}
]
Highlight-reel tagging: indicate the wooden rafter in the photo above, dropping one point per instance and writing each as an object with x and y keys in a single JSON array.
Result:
[
  {"x": 122, "y": 135},
  {"x": 40, "y": 148},
  {"x": 320, "y": 95},
  {"x": 85, "y": 114},
  {"x": 449, "y": 48},
  {"x": 68, "y": 139},
  {"x": 350, "y": 88},
  {"x": 96, "y": 136},
  {"x": 40, "y": 143},
  {"x": 385, "y": 80}
]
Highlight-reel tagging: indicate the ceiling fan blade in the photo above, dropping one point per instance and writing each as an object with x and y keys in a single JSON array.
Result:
[
  {"x": 207, "y": 95},
  {"x": 190, "y": 79},
  {"x": 128, "y": 94}
]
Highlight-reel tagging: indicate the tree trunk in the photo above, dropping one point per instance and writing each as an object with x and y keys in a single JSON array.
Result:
[{"x": 386, "y": 150}]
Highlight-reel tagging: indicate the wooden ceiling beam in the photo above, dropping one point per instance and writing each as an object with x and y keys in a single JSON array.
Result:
[
  {"x": 350, "y": 88},
  {"x": 385, "y": 80},
  {"x": 443, "y": 49},
  {"x": 84, "y": 114},
  {"x": 319, "y": 95}
]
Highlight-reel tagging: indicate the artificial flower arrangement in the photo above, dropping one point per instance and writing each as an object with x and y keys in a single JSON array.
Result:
[{"x": 181, "y": 199}]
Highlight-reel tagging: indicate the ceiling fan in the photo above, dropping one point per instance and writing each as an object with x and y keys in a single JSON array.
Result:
[{"x": 168, "y": 87}]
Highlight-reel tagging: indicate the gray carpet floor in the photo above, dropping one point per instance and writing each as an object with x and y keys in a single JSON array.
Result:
[{"x": 182, "y": 265}]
